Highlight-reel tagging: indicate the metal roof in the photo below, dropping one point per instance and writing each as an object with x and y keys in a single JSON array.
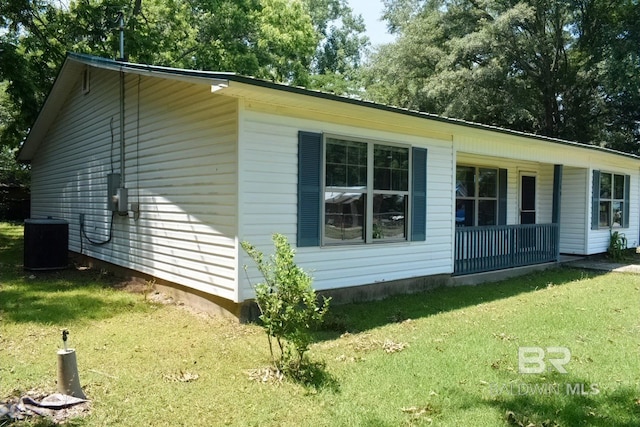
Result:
[{"x": 75, "y": 61}]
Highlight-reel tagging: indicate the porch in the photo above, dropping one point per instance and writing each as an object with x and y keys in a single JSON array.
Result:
[{"x": 487, "y": 248}]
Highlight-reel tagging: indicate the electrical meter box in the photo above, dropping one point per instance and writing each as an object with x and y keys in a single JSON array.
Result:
[
  {"x": 123, "y": 200},
  {"x": 113, "y": 184}
]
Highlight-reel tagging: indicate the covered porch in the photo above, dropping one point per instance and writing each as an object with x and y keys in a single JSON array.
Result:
[
  {"x": 487, "y": 248},
  {"x": 507, "y": 214}
]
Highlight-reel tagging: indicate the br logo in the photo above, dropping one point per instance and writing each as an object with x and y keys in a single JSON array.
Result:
[{"x": 533, "y": 360}]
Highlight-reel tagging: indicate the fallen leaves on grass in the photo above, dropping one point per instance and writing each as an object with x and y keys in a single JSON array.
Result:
[
  {"x": 181, "y": 376},
  {"x": 418, "y": 412},
  {"x": 394, "y": 347},
  {"x": 364, "y": 342},
  {"x": 345, "y": 358},
  {"x": 523, "y": 421},
  {"x": 504, "y": 337},
  {"x": 266, "y": 375},
  {"x": 502, "y": 364}
]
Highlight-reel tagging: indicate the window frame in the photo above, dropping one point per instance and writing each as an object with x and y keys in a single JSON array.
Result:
[
  {"x": 612, "y": 200},
  {"x": 369, "y": 192},
  {"x": 477, "y": 198}
]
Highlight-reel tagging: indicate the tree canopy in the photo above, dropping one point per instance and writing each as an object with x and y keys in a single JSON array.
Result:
[
  {"x": 314, "y": 43},
  {"x": 565, "y": 69}
]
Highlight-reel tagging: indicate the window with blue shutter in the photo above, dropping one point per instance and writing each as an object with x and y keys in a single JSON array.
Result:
[
  {"x": 366, "y": 195},
  {"x": 309, "y": 188},
  {"x": 610, "y": 199},
  {"x": 419, "y": 194},
  {"x": 595, "y": 199}
]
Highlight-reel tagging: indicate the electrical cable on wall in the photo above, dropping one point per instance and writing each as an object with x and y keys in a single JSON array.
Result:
[{"x": 83, "y": 233}]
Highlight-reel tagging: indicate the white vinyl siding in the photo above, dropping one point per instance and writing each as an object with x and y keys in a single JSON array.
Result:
[
  {"x": 181, "y": 167},
  {"x": 210, "y": 169},
  {"x": 268, "y": 205},
  {"x": 573, "y": 211}
]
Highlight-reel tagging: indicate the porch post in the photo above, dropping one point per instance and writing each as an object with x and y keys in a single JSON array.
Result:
[
  {"x": 557, "y": 191},
  {"x": 555, "y": 213}
]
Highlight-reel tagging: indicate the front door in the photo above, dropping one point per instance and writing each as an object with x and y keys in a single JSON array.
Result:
[
  {"x": 527, "y": 199},
  {"x": 527, "y": 240}
]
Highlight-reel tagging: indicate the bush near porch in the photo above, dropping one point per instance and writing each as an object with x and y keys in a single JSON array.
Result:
[{"x": 448, "y": 357}]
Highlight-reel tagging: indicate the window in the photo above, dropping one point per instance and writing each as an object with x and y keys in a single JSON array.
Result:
[
  {"x": 356, "y": 191},
  {"x": 612, "y": 202},
  {"x": 476, "y": 196},
  {"x": 366, "y": 192}
]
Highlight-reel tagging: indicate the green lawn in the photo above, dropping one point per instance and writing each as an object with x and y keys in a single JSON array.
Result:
[{"x": 446, "y": 358}]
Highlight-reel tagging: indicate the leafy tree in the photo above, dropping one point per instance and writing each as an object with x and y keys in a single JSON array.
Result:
[
  {"x": 608, "y": 39},
  {"x": 30, "y": 53},
  {"x": 272, "y": 39},
  {"x": 286, "y": 41},
  {"x": 341, "y": 48},
  {"x": 526, "y": 65}
]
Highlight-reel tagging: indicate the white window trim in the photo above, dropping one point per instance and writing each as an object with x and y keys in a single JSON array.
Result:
[
  {"x": 611, "y": 200},
  {"x": 476, "y": 183},
  {"x": 369, "y": 192}
]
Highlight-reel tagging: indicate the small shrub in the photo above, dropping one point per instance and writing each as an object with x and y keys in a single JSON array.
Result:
[
  {"x": 288, "y": 305},
  {"x": 617, "y": 246}
]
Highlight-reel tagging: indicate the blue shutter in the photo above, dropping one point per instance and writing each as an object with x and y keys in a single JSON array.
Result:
[
  {"x": 502, "y": 197},
  {"x": 595, "y": 200},
  {"x": 309, "y": 188},
  {"x": 627, "y": 202},
  {"x": 419, "y": 194},
  {"x": 557, "y": 193}
]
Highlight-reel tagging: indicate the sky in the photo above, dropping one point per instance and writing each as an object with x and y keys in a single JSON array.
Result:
[{"x": 371, "y": 10}]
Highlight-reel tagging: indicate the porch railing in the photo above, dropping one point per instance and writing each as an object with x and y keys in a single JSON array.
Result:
[{"x": 487, "y": 248}]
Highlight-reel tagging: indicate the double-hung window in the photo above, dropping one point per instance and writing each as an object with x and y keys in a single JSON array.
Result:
[
  {"x": 476, "y": 196},
  {"x": 611, "y": 207},
  {"x": 610, "y": 197},
  {"x": 354, "y": 191},
  {"x": 366, "y": 191}
]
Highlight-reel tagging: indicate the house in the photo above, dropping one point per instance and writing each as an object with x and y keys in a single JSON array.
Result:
[{"x": 165, "y": 171}]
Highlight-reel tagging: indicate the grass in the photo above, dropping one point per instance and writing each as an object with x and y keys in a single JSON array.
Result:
[{"x": 446, "y": 358}]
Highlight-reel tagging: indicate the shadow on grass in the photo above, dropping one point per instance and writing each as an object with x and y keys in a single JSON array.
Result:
[
  {"x": 314, "y": 375},
  {"x": 62, "y": 297},
  {"x": 358, "y": 317},
  {"x": 558, "y": 400},
  {"x": 571, "y": 401}
]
